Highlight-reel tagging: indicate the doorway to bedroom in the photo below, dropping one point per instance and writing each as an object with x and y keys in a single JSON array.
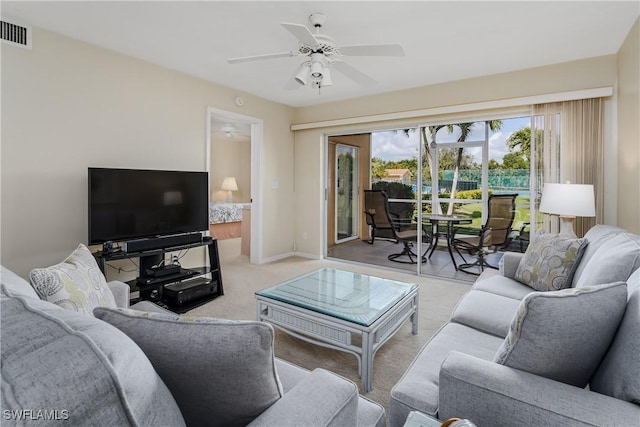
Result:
[{"x": 233, "y": 194}]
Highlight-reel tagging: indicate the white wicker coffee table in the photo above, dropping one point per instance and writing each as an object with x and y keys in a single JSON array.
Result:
[{"x": 331, "y": 307}]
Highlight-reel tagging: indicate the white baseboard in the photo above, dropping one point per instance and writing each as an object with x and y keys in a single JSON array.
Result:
[
  {"x": 276, "y": 258},
  {"x": 307, "y": 255},
  {"x": 289, "y": 255}
]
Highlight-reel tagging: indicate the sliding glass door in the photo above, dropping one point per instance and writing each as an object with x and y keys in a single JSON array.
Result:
[{"x": 444, "y": 169}]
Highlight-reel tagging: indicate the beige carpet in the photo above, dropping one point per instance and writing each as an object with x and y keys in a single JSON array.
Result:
[{"x": 242, "y": 279}]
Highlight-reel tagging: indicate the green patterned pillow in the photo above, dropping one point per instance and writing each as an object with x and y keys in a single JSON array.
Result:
[
  {"x": 550, "y": 262},
  {"x": 75, "y": 284}
]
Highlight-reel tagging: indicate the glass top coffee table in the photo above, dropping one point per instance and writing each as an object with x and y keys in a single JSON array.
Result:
[{"x": 329, "y": 307}]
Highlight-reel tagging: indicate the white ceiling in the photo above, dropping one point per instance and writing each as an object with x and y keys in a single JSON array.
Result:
[{"x": 443, "y": 41}]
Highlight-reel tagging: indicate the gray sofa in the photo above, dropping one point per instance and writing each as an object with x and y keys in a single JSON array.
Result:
[
  {"x": 150, "y": 367},
  {"x": 459, "y": 372}
]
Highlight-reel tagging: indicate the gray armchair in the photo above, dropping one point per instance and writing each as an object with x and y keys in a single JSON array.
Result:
[{"x": 145, "y": 373}]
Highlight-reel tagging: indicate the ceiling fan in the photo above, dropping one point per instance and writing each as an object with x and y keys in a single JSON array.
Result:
[{"x": 323, "y": 53}]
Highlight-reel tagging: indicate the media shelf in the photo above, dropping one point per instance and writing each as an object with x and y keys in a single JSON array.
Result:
[{"x": 180, "y": 291}]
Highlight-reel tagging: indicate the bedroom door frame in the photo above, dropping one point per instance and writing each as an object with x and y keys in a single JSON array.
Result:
[{"x": 257, "y": 128}]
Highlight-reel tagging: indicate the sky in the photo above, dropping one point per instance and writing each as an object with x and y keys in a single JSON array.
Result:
[{"x": 395, "y": 145}]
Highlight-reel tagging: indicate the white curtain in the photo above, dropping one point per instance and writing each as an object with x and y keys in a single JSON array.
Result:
[
  {"x": 567, "y": 144},
  {"x": 582, "y": 152},
  {"x": 545, "y": 161}
]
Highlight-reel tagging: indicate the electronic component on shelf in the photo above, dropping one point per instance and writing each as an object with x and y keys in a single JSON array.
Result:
[
  {"x": 189, "y": 290},
  {"x": 163, "y": 270}
]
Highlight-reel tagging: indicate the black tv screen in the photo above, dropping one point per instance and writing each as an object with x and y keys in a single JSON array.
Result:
[{"x": 126, "y": 204}]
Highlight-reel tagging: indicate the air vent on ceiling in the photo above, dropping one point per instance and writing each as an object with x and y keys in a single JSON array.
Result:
[{"x": 17, "y": 35}]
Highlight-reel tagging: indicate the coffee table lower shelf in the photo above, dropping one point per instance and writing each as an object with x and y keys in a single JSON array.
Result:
[{"x": 335, "y": 333}]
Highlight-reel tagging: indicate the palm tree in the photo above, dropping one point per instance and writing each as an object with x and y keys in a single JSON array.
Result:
[
  {"x": 465, "y": 131},
  {"x": 521, "y": 139}
]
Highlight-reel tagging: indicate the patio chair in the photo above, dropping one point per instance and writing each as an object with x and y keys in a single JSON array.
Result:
[
  {"x": 495, "y": 233},
  {"x": 375, "y": 210},
  {"x": 523, "y": 236},
  {"x": 402, "y": 229}
]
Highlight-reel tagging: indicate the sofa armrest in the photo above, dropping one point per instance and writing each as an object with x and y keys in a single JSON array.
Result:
[
  {"x": 299, "y": 407},
  {"x": 509, "y": 264},
  {"x": 490, "y": 394},
  {"x": 120, "y": 291}
]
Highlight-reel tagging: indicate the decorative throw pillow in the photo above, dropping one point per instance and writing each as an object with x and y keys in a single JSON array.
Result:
[
  {"x": 550, "y": 262},
  {"x": 75, "y": 284},
  {"x": 221, "y": 372},
  {"x": 564, "y": 335},
  {"x": 78, "y": 369}
]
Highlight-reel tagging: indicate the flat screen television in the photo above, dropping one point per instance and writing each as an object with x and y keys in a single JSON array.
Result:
[{"x": 127, "y": 204}]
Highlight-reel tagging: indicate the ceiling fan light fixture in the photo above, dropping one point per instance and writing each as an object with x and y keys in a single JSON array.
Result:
[
  {"x": 316, "y": 71},
  {"x": 302, "y": 75}
]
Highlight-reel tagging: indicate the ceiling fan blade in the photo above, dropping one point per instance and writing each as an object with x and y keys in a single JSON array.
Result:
[
  {"x": 354, "y": 74},
  {"x": 372, "y": 50},
  {"x": 260, "y": 57},
  {"x": 302, "y": 33}
]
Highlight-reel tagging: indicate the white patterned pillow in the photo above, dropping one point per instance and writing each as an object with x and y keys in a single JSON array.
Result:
[
  {"x": 564, "y": 335},
  {"x": 75, "y": 284},
  {"x": 550, "y": 262}
]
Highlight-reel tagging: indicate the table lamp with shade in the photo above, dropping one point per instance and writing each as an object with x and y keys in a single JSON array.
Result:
[
  {"x": 568, "y": 201},
  {"x": 229, "y": 184}
]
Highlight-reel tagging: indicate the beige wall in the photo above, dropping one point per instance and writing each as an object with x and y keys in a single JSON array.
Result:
[
  {"x": 589, "y": 73},
  {"x": 629, "y": 131},
  {"x": 585, "y": 74},
  {"x": 230, "y": 157},
  {"x": 67, "y": 105}
]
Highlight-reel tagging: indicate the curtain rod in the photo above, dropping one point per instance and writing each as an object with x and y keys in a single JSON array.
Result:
[{"x": 599, "y": 92}]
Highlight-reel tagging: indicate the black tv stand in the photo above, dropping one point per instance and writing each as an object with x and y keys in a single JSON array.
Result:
[{"x": 150, "y": 288}]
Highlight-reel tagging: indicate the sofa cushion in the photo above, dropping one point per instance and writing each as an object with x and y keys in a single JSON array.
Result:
[
  {"x": 75, "y": 284},
  {"x": 221, "y": 372},
  {"x": 495, "y": 283},
  {"x": 596, "y": 236},
  {"x": 563, "y": 335},
  {"x": 300, "y": 407},
  {"x": 615, "y": 260},
  {"x": 369, "y": 413},
  {"x": 550, "y": 261},
  {"x": 83, "y": 368},
  {"x": 619, "y": 373},
  {"x": 486, "y": 312},
  {"x": 16, "y": 284},
  {"x": 417, "y": 390}
]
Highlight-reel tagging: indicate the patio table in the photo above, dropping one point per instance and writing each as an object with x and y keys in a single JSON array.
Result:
[{"x": 450, "y": 220}]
